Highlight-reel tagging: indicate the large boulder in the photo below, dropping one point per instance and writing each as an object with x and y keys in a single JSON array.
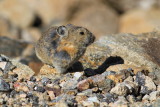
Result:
[
  {"x": 17, "y": 12},
  {"x": 11, "y": 48},
  {"x": 101, "y": 19},
  {"x": 125, "y": 5},
  {"x": 140, "y": 20},
  {"x": 138, "y": 50}
]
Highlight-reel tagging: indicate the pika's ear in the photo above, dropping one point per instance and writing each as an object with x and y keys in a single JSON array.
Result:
[{"x": 62, "y": 31}]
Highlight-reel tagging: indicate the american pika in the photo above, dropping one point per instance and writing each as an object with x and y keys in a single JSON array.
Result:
[{"x": 62, "y": 46}]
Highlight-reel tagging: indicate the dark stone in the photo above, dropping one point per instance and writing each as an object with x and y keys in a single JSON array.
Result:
[
  {"x": 129, "y": 69},
  {"x": 140, "y": 79},
  {"x": 29, "y": 95},
  {"x": 33, "y": 79},
  {"x": 106, "y": 85},
  {"x": 11, "y": 48},
  {"x": 35, "y": 101},
  {"x": 39, "y": 89},
  {"x": 13, "y": 78},
  {"x": 58, "y": 98},
  {"x": 139, "y": 98},
  {"x": 13, "y": 93},
  {"x": 55, "y": 81},
  {"x": 3, "y": 58},
  {"x": 100, "y": 96},
  {"x": 71, "y": 102},
  {"x": 155, "y": 76},
  {"x": 4, "y": 86},
  {"x": 109, "y": 73},
  {"x": 9, "y": 66},
  {"x": 109, "y": 98},
  {"x": 45, "y": 80},
  {"x": 144, "y": 90}
]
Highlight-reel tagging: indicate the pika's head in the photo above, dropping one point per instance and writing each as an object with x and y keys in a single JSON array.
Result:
[{"x": 75, "y": 34}]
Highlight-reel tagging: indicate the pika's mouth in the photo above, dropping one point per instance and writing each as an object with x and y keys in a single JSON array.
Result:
[{"x": 92, "y": 38}]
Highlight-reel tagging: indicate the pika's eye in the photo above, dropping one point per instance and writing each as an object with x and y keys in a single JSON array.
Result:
[
  {"x": 81, "y": 33},
  {"x": 62, "y": 31}
]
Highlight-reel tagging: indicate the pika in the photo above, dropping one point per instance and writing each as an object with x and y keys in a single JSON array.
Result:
[{"x": 62, "y": 46}]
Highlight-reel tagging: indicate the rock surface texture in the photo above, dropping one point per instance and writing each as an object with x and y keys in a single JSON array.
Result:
[{"x": 115, "y": 71}]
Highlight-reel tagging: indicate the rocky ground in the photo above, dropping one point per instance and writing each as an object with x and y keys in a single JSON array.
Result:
[
  {"x": 116, "y": 71},
  {"x": 119, "y": 70}
]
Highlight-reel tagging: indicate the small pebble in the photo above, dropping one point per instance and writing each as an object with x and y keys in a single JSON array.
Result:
[
  {"x": 44, "y": 80},
  {"x": 93, "y": 99},
  {"x": 33, "y": 79},
  {"x": 4, "y": 86},
  {"x": 77, "y": 75},
  {"x": 109, "y": 98},
  {"x": 39, "y": 89}
]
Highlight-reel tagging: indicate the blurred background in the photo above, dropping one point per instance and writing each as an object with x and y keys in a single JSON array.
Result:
[{"x": 25, "y": 20}]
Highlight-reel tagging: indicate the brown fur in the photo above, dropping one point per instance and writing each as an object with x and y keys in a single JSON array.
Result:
[{"x": 62, "y": 46}]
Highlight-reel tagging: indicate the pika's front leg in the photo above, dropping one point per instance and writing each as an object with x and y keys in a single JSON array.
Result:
[{"x": 62, "y": 61}]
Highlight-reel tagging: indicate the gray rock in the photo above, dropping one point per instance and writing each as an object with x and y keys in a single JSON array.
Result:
[
  {"x": 4, "y": 86},
  {"x": 23, "y": 71},
  {"x": 106, "y": 85},
  {"x": 7, "y": 47},
  {"x": 154, "y": 95},
  {"x": 9, "y": 66},
  {"x": 109, "y": 98},
  {"x": 146, "y": 97},
  {"x": 120, "y": 89},
  {"x": 44, "y": 80},
  {"x": 69, "y": 84},
  {"x": 133, "y": 87},
  {"x": 149, "y": 84},
  {"x": 87, "y": 92},
  {"x": 109, "y": 73},
  {"x": 93, "y": 99},
  {"x": 33, "y": 79},
  {"x": 136, "y": 50},
  {"x": 3, "y": 65},
  {"x": 130, "y": 78},
  {"x": 155, "y": 77},
  {"x": 71, "y": 102},
  {"x": 131, "y": 98},
  {"x": 39, "y": 89},
  {"x": 3, "y": 58},
  {"x": 157, "y": 103},
  {"x": 102, "y": 83},
  {"x": 121, "y": 101},
  {"x": 158, "y": 88},
  {"x": 144, "y": 90}
]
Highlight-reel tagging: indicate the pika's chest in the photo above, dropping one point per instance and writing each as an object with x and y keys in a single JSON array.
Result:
[{"x": 69, "y": 47}]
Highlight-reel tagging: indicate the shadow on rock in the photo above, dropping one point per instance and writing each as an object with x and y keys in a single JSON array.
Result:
[{"x": 113, "y": 60}]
